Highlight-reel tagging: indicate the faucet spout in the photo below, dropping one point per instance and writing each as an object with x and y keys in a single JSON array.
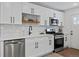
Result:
[{"x": 30, "y": 30}]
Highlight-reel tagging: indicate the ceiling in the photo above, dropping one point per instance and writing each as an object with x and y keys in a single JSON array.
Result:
[{"x": 61, "y": 6}]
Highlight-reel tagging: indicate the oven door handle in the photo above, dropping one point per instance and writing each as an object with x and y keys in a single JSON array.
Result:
[{"x": 59, "y": 38}]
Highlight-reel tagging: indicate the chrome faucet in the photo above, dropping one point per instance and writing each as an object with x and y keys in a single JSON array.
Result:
[{"x": 30, "y": 30}]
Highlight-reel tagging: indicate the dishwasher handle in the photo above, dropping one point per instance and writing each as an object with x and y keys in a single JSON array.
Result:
[{"x": 13, "y": 43}]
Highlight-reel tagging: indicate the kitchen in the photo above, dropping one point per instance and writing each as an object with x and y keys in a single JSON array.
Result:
[{"x": 37, "y": 29}]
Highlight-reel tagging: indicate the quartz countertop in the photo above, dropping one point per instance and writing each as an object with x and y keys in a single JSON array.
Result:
[{"x": 26, "y": 37}]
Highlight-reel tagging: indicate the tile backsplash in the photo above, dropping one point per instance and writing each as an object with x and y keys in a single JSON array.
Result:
[
  {"x": 11, "y": 30},
  {"x": 21, "y": 30}
]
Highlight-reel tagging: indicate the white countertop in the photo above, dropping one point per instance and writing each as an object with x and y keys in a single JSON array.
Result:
[
  {"x": 41, "y": 35},
  {"x": 26, "y": 37}
]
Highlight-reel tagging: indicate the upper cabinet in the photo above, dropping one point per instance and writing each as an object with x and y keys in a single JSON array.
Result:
[
  {"x": 30, "y": 8},
  {"x": 5, "y": 13},
  {"x": 44, "y": 13},
  {"x": 17, "y": 12},
  {"x": 11, "y": 13}
]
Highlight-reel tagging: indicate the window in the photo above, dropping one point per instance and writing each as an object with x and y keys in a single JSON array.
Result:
[{"x": 76, "y": 19}]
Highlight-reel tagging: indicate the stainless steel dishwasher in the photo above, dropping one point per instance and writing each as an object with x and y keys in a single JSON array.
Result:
[{"x": 14, "y": 48}]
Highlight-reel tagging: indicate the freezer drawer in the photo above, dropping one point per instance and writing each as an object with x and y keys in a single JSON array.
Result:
[{"x": 14, "y": 48}]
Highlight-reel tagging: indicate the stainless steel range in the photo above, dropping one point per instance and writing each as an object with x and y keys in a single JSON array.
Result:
[{"x": 58, "y": 42}]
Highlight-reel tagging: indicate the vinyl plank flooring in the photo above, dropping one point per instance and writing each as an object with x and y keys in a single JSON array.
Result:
[{"x": 69, "y": 52}]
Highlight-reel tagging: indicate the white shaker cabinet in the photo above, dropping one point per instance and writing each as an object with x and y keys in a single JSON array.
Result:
[
  {"x": 30, "y": 8},
  {"x": 6, "y": 17},
  {"x": 32, "y": 47},
  {"x": 44, "y": 13},
  {"x": 46, "y": 45},
  {"x": 11, "y": 13},
  {"x": 51, "y": 43},
  {"x": 67, "y": 42},
  {"x": 26, "y": 8},
  {"x": 17, "y": 12},
  {"x": 39, "y": 46}
]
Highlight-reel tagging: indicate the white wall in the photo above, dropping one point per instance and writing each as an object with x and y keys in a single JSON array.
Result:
[
  {"x": 68, "y": 20},
  {"x": 68, "y": 26}
]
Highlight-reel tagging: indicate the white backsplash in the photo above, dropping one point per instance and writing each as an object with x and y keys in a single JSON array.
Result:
[
  {"x": 36, "y": 30},
  {"x": 9, "y": 30}
]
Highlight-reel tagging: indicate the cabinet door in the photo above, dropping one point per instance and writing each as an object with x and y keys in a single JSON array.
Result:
[
  {"x": 29, "y": 8},
  {"x": 17, "y": 12},
  {"x": 11, "y": 13},
  {"x": 29, "y": 47},
  {"x": 67, "y": 40},
  {"x": 6, "y": 12},
  {"x": 51, "y": 43},
  {"x": 36, "y": 8},
  {"x": 26, "y": 8},
  {"x": 32, "y": 47},
  {"x": 46, "y": 45},
  {"x": 39, "y": 46}
]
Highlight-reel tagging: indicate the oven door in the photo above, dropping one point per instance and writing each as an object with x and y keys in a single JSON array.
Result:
[{"x": 58, "y": 42}]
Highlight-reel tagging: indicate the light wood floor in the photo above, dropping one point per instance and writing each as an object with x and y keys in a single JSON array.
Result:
[
  {"x": 69, "y": 52},
  {"x": 53, "y": 55}
]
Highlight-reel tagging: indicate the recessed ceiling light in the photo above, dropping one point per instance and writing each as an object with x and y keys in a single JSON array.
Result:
[{"x": 75, "y": 4}]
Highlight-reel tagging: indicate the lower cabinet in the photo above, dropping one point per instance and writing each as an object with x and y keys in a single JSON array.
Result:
[
  {"x": 46, "y": 45},
  {"x": 39, "y": 46},
  {"x": 32, "y": 47},
  {"x": 67, "y": 41},
  {"x": 51, "y": 43}
]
